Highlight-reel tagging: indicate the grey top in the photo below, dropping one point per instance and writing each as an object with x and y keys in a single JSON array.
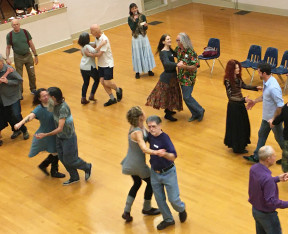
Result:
[
  {"x": 62, "y": 111},
  {"x": 10, "y": 92},
  {"x": 167, "y": 59},
  {"x": 135, "y": 162}
]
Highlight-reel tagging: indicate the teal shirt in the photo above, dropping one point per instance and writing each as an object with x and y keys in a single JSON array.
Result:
[
  {"x": 19, "y": 41},
  {"x": 62, "y": 111}
]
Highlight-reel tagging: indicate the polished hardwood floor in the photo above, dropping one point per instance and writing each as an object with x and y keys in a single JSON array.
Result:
[{"x": 213, "y": 180}]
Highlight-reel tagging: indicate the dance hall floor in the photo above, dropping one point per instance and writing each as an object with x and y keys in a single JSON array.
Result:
[{"x": 213, "y": 180}]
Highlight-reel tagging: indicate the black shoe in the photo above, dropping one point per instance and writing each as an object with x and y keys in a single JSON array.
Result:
[
  {"x": 26, "y": 135},
  {"x": 15, "y": 134},
  {"x": 152, "y": 211},
  {"x": 137, "y": 75},
  {"x": 170, "y": 117},
  {"x": 164, "y": 224},
  {"x": 150, "y": 73},
  {"x": 88, "y": 172},
  {"x": 119, "y": 95},
  {"x": 1, "y": 142},
  {"x": 192, "y": 118},
  {"x": 183, "y": 216},
  {"x": 167, "y": 111},
  {"x": 127, "y": 217},
  {"x": 279, "y": 162},
  {"x": 44, "y": 169},
  {"x": 71, "y": 181},
  {"x": 201, "y": 116},
  {"x": 54, "y": 168},
  {"x": 110, "y": 102},
  {"x": 251, "y": 158},
  {"x": 244, "y": 151}
]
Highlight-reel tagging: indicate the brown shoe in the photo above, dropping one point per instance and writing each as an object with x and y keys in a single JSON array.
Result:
[
  {"x": 84, "y": 101},
  {"x": 91, "y": 98}
]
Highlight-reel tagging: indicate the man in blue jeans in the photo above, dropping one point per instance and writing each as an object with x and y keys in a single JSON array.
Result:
[
  {"x": 263, "y": 193},
  {"x": 272, "y": 105},
  {"x": 163, "y": 173}
]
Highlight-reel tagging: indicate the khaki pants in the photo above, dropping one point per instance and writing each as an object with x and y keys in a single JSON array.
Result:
[{"x": 28, "y": 61}]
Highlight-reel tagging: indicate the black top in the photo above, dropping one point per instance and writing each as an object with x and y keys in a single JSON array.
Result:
[
  {"x": 283, "y": 117},
  {"x": 167, "y": 59}
]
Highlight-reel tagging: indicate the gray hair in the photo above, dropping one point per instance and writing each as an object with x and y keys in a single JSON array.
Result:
[
  {"x": 265, "y": 152},
  {"x": 185, "y": 41},
  {"x": 154, "y": 118}
]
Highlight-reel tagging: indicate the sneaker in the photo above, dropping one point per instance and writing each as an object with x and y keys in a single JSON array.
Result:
[
  {"x": 150, "y": 73},
  {"x": 127, "y": 216},
  {"x": 183, "y": 216},
  {"x": 33, "y": 92},
  {"x": 110, "y": 102},
  {"x": 201, "y": 116},
  {"x": 279, "y": 162},
  {"x": 26, "y": 135},
  {"x": 71, "y": 181},
  {"x": 137, "y": 75},
  {"x": 192, "y": 118},
  {"x": 251, "y": 158},
  {"x": 119, "y": 95},
  {"x": 88, "y": 172},
  {"x": 170, "y": 117},
  {"x": 164, "y": 224},
  {"x": 15, "y": 134},
  {"x": 152, "y": 211}
]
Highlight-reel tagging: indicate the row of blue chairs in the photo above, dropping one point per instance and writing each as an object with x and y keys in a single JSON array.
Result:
[{"x": 270, "y": 57}]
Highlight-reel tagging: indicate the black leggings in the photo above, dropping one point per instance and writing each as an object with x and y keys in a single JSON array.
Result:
[{"x": 137, "y": 184}]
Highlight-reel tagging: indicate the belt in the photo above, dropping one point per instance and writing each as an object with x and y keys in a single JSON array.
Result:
[{"x": 164, "y": 169}]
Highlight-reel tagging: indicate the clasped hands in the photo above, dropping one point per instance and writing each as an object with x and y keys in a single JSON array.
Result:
[{"x": 3, "y": 79}]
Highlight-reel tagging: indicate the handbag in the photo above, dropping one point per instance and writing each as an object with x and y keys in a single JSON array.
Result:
[{"x": 209, "y": 52}]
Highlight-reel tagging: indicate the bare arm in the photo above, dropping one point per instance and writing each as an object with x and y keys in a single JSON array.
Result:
[
  {"x": 101, "y": 44},
  {"x": 89, "y": 54},
  {"x": 27, "y": 119},
  {"x": 138, "y": 137},
  {"x": 34, "y": 51},
  {"x": 8, "y": 60},
  {"x": 252, "y": 103},
  {"x": 54, "y": 132},
  {"x": 168, "y": 156}
]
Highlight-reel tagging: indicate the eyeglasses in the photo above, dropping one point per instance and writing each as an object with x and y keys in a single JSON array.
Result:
[{"x": 177, "y": 40}]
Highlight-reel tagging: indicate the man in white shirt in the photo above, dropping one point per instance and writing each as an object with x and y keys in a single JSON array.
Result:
[{"x": 105, "y": 65}]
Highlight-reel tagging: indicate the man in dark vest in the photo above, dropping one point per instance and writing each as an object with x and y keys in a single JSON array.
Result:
[{"x": 21, "y": 41}]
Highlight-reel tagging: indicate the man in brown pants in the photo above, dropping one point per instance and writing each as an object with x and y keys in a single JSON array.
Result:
[{"x": 21, "y": 41}]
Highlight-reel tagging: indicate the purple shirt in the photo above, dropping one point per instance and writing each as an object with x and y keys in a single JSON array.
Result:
[
  {"x": 263, "y": 189},
  {"x": 160, "y": 142}
]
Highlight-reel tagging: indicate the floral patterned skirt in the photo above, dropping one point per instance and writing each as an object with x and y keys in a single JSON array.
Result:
[{"x": 166, "y": 96}]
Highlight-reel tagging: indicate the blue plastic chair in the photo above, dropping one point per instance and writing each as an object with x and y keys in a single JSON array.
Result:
[
  {"x": 214, "y": 43},
  {"x": 253, "y": 57},
  {"x": 282, "y": 69},
  {"x": 270, "y": 57}
]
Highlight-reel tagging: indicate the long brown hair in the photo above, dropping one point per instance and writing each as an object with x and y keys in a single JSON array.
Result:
[{"x": 230, "y": 71}]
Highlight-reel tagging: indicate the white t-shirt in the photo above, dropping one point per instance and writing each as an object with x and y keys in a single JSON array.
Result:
[
  {"x": 106, "y": 59},
  {"x": 87, "y": 62}
]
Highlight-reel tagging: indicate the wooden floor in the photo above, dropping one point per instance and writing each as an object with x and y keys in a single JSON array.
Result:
[{"x": 213, "y": 180}]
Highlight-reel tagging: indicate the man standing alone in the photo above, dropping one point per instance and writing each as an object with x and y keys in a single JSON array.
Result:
[
  {"x": 21, "y": 41},
  {"x": 263, "y": 193}
]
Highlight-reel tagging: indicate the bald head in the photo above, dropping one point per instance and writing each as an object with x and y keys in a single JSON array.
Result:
[
  {"x": 95, "y": 30},
  {"x": 15, "y": 23}
]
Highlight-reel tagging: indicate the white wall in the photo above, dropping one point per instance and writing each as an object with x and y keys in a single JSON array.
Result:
[
  {"x": 282, "y": 4},
  {"x": 81, "y": 14}
]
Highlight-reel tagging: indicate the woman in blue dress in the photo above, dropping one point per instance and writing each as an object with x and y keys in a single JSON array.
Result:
[{"x": 46, "y": 125}]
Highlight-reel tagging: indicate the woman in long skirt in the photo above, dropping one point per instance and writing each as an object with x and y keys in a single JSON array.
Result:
[
  {"x": 46, "y": 125},
  {"x": 142, "y": 56},
  {"x": 166, "y": 94},
  {"x": 237, "y": 134}
]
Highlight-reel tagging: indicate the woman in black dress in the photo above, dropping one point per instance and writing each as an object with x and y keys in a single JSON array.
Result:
[
  {"x": 237, "y": 134},
  {"x": 166, "y": 94}
]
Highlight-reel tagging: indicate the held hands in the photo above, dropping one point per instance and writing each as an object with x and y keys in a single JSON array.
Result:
[
  {"x": 283, "y": 177},
  {"x": 160, "y": 153},
  {"x": 270, "y": 123},
  {"x": 17, "y": 126},
  {"x": 40, "y": 135},
  {"x": 9, "y": 70},
  {"x": 3, "y": 79},
  {"x": 180, "y": 64},
  {"x": 260, "y": 88},
  {"x": 250, "y": 104}
]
